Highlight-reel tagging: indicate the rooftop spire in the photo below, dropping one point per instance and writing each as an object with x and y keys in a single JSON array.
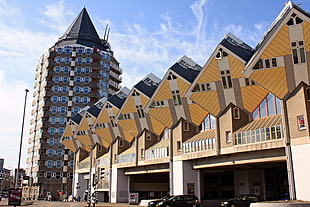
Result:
[{"x": 82, "y": 31}]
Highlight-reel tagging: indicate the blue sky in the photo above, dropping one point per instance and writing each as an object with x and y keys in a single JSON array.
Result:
[{"x": 146, "y": 36}]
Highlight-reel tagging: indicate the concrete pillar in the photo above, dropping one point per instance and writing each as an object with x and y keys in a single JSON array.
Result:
[
  {"x": 119, "y": 186},
  {"x": 300, "y": 157},
  {"x": 185, "y": 179}
]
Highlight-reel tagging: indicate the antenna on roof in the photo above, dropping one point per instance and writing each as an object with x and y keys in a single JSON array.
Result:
[
  {"x": 105, "y": 32},
  {"x": 108, "y": 34}
]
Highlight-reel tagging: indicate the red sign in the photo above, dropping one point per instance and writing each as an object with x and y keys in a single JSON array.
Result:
[{"x": 15, "y": 197}]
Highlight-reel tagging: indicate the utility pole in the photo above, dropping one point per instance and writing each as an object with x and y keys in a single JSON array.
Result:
[{"x": 21, "y": 142}]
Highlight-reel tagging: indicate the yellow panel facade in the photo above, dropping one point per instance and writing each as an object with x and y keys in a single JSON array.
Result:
[
  {"x": 103, "y": 116},
  {"x": 274, "y": 80},
  {"x": 85, "y": 140},
  {"x": 306, "y": 29},
  {"x": 144, "y": 100},
  {"x": 130, "y": 106},
  {"x": 68, "y": 131},
  {"x": 210, "y": 73},
  {"x": 163, "y": 93},
  {"x": 70, "y": 145},
  {"x": 104, "y": 134},
  {"x": 252, "y": 96},
  {"x": 158, "y": 127},
  {"x": 183, "y": 86},
  {"x": 129, "y": 125},
  {"x": 279, "y": 46},
  {"x": 163, "y": 115},
  {"x": 83, "y": 124},
  {"x": 128, "y": 136},
  {"x": 236, "y": 67},
  {"x": 197, "y": 114},
  {"x": 208, "y": 100}
]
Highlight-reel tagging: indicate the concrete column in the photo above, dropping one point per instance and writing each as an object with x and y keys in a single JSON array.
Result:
[
  {"x": 185, "y": 179},
  {"x": 119, "y": 186}
]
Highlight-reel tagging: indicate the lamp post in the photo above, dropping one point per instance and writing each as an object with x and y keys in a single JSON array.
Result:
[{"x": 21, "y": 142}]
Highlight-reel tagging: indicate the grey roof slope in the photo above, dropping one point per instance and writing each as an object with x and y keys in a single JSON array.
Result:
[
  {"x": 186, "y": 73},
  {"x": 94, "y": 110},
  {"x": 244, "y": 51},
  {"x": 116, "y": 100},
  {"x": 147, "y": 89},
  {"x": 82, "y": 31},
  {"x": 77, "y": 118}
]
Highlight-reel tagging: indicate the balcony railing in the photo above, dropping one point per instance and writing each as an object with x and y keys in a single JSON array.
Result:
[{"x": 264, "y": 134}]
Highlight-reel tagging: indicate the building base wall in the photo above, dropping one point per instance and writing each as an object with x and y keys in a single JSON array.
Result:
[{"x": 300, "y": 156}]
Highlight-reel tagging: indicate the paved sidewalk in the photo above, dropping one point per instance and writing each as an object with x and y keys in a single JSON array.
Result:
[{"x": 4, "y": 202}]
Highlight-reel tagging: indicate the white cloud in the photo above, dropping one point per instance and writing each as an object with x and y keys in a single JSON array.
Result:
[
  {"x": 11, "y": 110},
  {"x": 56, "y": 16}
]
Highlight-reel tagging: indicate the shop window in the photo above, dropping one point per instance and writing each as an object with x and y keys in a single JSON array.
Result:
[{"x": 301, "y": 122}]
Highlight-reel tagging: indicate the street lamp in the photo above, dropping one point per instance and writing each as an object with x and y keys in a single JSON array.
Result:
[{"x": 21, "y": 142}]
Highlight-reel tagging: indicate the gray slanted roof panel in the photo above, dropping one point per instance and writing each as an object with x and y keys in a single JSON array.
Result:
[
  {"x": 94, "y": 110},
  {"x": 82, "y": 31},
  {"x": 116, "y": 101},
  {"x": 187, "y": 74},
  {"x": 147, "y": 89},
  {"x": 77, "y": 118},
  {"x": 242, "y": 52}
]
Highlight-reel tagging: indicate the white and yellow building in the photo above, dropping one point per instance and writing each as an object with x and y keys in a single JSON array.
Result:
[{"x": 239, "y": 124}]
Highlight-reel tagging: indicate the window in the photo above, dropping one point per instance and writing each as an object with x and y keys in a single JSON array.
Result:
[
  {"x": 50, "y": 152},
  {"x": 87, "y": 70},
  {"x": 78, "y": 79},
  {"x": 86, "y": 90},
  {"x": 249, "y": 82},
  {"x": 269, "y": 106},
  {"x": 60, "y": 152},
  {"x": 58, "y": 175},
  {"x": 66, "y": 69},
  {"x": 226, "y": 79},
  {"x": 186, "y": 126},
  {"x": 236, "y": 112},
  {"x": 49, "y": 163},
  {"x": 52, "y": 120},
  {"x": 54, "y": 109},
  {"x": 78, "y": 70},
  {"x": 301, "y": 122},
  {"x": 59, "y": 50},
  {"x": 142, "y": 153},
  {"x": 79, "y": 60},
  {"x": 228, "y": 137},
  {"x": 88, "y": 61},
  {"x": 140, "y": 111},
  {"x": 51, "y": 142},
  {"x": 148, "y": 136},
  {"x": 176, "y": 97},
  {"x": 56, "y": 79},
  {"x": 48, "y": 175},
  {"x": 298, "y": 52},
  {"x": 52, "y": 130},
  {"x": 266, "y": 63},
  {"x": 121, "y": 143},
  {"x": 58, "y": 163},
  {"x": 294, "y": 20},
  {"x": 63, "y": 109},
  {"x": 179, "y": 146},
  {"x": 208, "y": 123}
]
